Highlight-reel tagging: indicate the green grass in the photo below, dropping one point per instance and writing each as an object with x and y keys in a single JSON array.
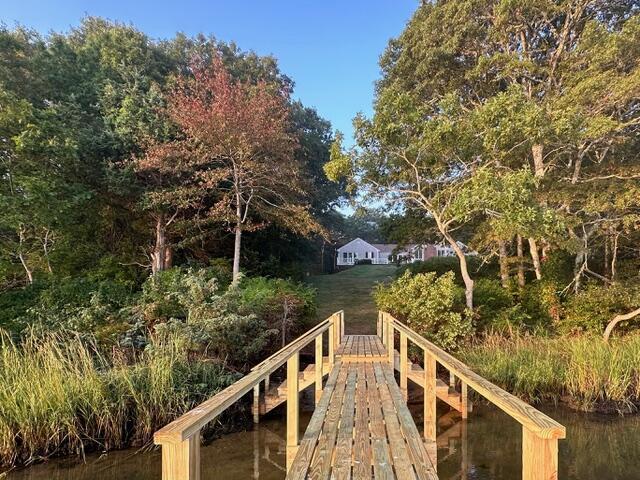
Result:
[
  {"x": 59, "y": 395},
  {"x": 350, "y": 290},
  {"x": 582, "y": 371}
]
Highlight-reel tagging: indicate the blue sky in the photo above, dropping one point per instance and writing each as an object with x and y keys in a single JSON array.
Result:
[{"x": 330, "y": 48}]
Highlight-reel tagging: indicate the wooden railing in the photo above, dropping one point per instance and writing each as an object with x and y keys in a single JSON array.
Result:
[
  {"x": 180, "y": 440},
  {"x": 540, "y": 433}
]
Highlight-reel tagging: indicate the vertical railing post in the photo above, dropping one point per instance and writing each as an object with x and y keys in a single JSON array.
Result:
[
  {"x": 404, "y": 365},
  {"x": 385, "y": 324},
  {"x": 539, "y": 457},
  {"x": 341, "y": 327},
  {"x": 332, "y": 340},
  {"x": 390, "y": 342},
  {"x": 181, "y": 459},
  {"x": 379, "y": 325},
  {"x": 464, "y": 400},
  {"x": 256, "y": 403},
  {"x": 429, "y": 386},
  {"x": 293, "y": 368},
  {"x": 318, "y": 368}
]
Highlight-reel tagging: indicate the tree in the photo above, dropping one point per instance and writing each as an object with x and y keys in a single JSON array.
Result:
[
  {"x": 238, "y": 151},
  {"x": 501, "y": 86}
]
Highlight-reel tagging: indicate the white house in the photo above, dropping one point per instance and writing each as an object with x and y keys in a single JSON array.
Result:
[{"x": 385, "y": 253}]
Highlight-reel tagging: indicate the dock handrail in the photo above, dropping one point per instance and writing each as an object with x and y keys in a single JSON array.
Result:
[
  {"x": 540, "y": 432},
  {"x": 180, "y": 439}
]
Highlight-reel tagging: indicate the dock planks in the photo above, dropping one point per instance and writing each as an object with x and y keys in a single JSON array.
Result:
[
  {"x": 361, "y": 427},
  {"x": 361, "y": 348}
]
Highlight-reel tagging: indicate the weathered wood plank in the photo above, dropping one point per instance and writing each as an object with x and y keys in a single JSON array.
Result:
[
  {"x": 361, "y": 442},
  {"x": 307, "y": 447},
  {"x": 342, "y": 459}
]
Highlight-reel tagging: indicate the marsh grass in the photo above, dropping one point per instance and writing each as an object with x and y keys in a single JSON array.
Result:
[
  {"x": 582, "y": 371},
  {"x": 59, "y": 394}
]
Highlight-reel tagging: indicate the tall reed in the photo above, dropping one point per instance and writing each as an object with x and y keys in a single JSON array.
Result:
[
  {"x": 582, "y": 371},
  {"x": 59, "y": 394}
]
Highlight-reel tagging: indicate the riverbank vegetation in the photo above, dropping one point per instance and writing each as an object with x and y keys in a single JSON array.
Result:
[
  {"x": 151, "y": 194},
  {"x": 491, "y": 135}
]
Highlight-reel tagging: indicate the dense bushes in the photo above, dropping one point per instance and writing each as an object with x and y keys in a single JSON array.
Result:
[
  {"x": 591, "y": 309},
  {"x": 239, "y": 324},
  {"x": 442, "y": 265},
  {"x": 94, "y": 364},
  {"x": 429, "y": 304}
]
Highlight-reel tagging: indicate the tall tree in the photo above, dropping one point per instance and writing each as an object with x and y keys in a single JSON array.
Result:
[{"x": 238, "y": 145}]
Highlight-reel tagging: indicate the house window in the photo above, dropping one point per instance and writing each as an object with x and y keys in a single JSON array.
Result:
[
  {"x": 344, "y": 256},
  {"x": 366, "y": 254}
]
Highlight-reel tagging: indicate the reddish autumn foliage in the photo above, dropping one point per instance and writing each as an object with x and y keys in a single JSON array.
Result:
[{"x": 234, "y": 162}]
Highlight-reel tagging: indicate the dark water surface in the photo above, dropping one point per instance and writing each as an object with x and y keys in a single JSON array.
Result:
[{"x": 487, "y": 446}]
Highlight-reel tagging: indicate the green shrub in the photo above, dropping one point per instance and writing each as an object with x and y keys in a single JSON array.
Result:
[
  {"x": 285, "y": 306},
  {"x": 541, "y": 301},
  {"x": 491, "y": 300},
  {"x": 591, "y": 309},
  {"x": 442, "y": 265},
  {"x": 430, "y": 304}
]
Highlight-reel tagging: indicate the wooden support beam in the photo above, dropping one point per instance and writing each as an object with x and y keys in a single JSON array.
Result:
[
  {"x": 318, "y": 369},
  {"x": 464, "y": 402},
  {"x": 429, "y": 384},
  {"x": 293, "y": 368},
  {"x": 181, "y": 459},
  {"x": 539, "y": 457},
  {"x": 404, "y": 365},
  {"x": 385, "y": 325},
  {"x": 256, "y": 403},
  {"x": 390, "y": 343},
  {"x": 332, "y": 342}
]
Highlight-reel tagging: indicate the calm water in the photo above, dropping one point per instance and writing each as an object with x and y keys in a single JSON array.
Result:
[{"x": 487, "y": 446}]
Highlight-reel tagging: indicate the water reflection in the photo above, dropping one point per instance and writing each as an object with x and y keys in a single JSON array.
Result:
[{"x": 487, "y": 446}]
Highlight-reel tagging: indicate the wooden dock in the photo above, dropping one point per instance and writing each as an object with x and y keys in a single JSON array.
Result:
[{"x": 361, "y": 427}]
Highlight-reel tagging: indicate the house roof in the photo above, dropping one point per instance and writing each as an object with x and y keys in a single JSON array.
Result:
[{"x": 384, "y": 247}]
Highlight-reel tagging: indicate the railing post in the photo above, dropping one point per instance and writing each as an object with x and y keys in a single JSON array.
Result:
[
  {"x": 390, "y": 342},
  {"x": 464, "y": 402},
  {"x": 429, "y": 387},
  {"x": 385, "y": 325},
  {"x": 378, "y": 325},
  {"x": 332, "y": 341},
  {"x": 404, "y": 364},
  {"x": 293, "y": 367},
  {"x": 256, "y": 403},
  {"x": 181, "y": 459},
  {"x": 341, "y": 327},
  {"x": 539, "y": 457},
  {"x": 318, "y": 368}
]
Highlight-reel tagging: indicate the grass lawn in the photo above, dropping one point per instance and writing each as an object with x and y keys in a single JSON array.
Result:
[{"x": 350, "y": 290}]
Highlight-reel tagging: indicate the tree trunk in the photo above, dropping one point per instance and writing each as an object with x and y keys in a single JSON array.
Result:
[
  {"x": 160, "y": 253},
  {"x": 614, "y": 256},
  {"x": 617, "y": 319},
  {"x": 606, "y": 265},
  {"x": 533, "y": 249},
  {"x": 521, "y": 278},
  {"x": 236, "y": 253},
  {"x": 504, "y": 263},
  {"x": 578, "y": 268},
  {"x": 538, "y": 160},
  {"x": 464, "y": 270},
  {"x": 22, "y": 258}
]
